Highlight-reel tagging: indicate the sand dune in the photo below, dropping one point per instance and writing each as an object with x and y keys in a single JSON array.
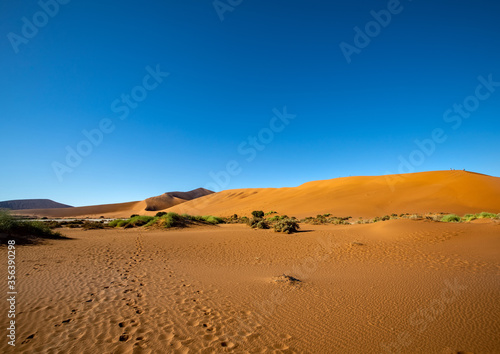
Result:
[
  {"x": 120, "y": 210},
  {"x": 399, "y": 286},
  {"x": 369, "y": 196},
  {"x": 440, "y": 191},
  {"x": 170, "y": 199}
]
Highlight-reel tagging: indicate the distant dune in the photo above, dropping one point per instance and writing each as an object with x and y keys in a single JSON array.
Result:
[
  {"x": 119, "y": 210},
  {"x": 20, "y": 204},
  {"x": 170, "y": 199},
  {"x": 438, "y": 191}
]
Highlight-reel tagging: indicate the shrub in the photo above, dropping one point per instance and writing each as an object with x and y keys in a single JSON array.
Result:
[
  {"x": 25, "y": 231},
  {"x": 133, "y": 216},
  {"x": 469, "y": 217},
  {"x": 485, "y": 215},
  {"x": 258, "y": 223},
  {"x": 171, "y": 220},
  {"x": 451, "y": 218},
  {"x": 160, "y": 214},
  {"x": 213, "y": 219},
  {"x": 138, "y": 220},
  {"x": 269, "y": 213},
  {"x": 258, "y": 214},
  {"x": 92, "y": 225},
  {"x": 114, "y": 223},
  {"x": 286, "y": 226}
]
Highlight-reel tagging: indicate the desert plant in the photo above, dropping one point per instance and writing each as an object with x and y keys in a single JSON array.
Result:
[
  {"x": 286, "y": 226},
  {"x": 213, "y": 219},
  {"x": 469, "y": 217},
  {"x": 485, "y": 215},
  {"x": 160, "y": 214},
  {"x": 92, "y": 225},
  {"x": 451, "y": 218},
  {"x": 25, "y": 231},
  {"x": 258, "y": 214}
]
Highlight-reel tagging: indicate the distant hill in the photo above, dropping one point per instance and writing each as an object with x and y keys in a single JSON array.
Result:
[
  {"x": 170, "y": 199},
  {"x": 148, "y": 206},
  {"x": 21, "y": 204}
]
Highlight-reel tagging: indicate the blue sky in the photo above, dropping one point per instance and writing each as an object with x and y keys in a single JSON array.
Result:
[{"x": 64, "y": 67}]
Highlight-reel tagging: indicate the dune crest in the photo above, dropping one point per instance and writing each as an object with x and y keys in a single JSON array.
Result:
[{"x": 367, "y": 196}]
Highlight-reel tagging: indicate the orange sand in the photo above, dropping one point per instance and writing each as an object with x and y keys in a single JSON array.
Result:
[
  {"x": 439, "y": 191},
  {"x": 397, "y": 286}
]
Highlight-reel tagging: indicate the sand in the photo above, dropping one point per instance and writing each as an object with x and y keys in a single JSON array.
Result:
[
  {"x": 398, "y": 286},
  {"x": 369, "y": 196}
]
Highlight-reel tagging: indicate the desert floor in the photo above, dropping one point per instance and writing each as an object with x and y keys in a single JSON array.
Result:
[{"x": 396, "y": 286}]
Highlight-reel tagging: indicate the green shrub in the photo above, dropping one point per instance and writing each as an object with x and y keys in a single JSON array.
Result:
[
  {"x": 258, "y": 214},
  {"x": 286, "y": 226},
  {"x": 92, "y": 225},
  {"x": 139, "y": 220},
  {"x": 258, "y": 223},
  {"x": 160, "y": 213},
  {"x": 114, "y": 223},
  {"x": 469, "y": 217},
  {"x": 451, "y": 218},
  {"x": 269, "y": 213},
  {"x": 485, "y": 215},
  {"x": 133, "y": 216},
  {"x": 213, "y": 219},
  {"x": 25, "y": 231}
]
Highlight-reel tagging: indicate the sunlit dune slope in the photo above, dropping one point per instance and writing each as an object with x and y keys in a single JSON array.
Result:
[{"x": 438, "y": 191}]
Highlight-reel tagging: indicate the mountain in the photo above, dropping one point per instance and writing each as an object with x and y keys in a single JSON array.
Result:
[{"x": 20, "y": 204}]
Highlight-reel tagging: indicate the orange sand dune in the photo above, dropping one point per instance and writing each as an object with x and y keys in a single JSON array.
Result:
[
  {"x": 368, "y": 196},
  {"x": 439, "y": 191},
  {"x": 120, "y": 210},
  {"x": 94, "y": 211}
]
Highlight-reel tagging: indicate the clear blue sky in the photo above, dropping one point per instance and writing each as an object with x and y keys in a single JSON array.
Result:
[{"x": 358, "y": 111}]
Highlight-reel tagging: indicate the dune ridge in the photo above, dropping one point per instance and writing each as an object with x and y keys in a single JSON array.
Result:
[
  {"x": 458, "y": 192},
  {"x": 366, "y": 196}
]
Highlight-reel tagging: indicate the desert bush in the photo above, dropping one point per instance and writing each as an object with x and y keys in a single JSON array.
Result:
[
  {"x": 485, "y": 215},
  {"x": 213, "y": 219},
  {"x": 469, "y": 217},
  {"x": 92, "y": 225},
  {"x": 286, "y": 226},
  {"x": 25, "y": 231},
  {"x": 451, "y": 218},
  {"x": 160, "y": 214},
  {"x": 258, "y": 214},
  {"x": 270, "y": 213},
  {"x": 114, "y": 223}
]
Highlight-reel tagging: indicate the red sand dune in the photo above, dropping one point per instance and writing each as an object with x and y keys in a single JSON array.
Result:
[
  {"x": 439, "y": 191},
  {"x": 458, "y": 192}
]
